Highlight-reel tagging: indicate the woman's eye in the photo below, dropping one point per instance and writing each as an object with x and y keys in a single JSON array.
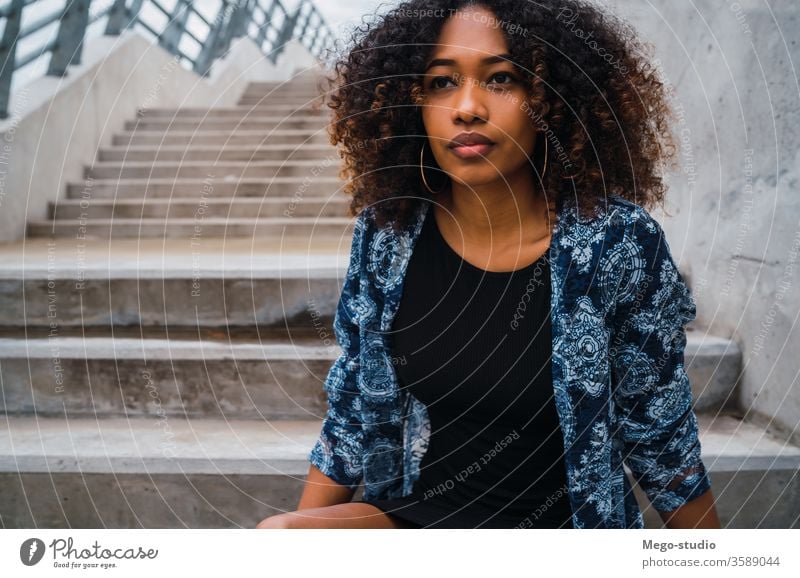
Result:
[
  {"x": 434, "y": 82},
  {"x": 504, "y": 74}
]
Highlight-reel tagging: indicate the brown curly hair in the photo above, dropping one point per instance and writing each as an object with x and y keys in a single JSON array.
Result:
[{"x": 589, "y": 79}]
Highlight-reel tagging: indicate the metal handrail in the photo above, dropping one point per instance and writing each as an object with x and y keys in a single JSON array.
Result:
[{"x": 235, "y": 18}]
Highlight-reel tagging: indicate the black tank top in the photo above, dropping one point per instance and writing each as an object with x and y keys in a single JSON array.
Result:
[{"x": 474, "y": 346}]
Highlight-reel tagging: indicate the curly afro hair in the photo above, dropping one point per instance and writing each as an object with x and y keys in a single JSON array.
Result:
[{"x": 590, "y": 83}]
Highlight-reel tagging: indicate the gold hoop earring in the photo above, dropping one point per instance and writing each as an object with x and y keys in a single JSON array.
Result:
[
  {"x": 544, "y": 164},
  {"x": 422, "y": 172}
]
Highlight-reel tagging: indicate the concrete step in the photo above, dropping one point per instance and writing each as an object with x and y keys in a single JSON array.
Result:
[
  {"x": 150, "y": 472},
  {"x": 201, "y": 282},
  {"x": 285, "y": 90},
  {"x": 277, "y": 227},
  {"x": 209, "y": 169},
  {"x": 287, "y": 152},
  {"x": 306, "y": 82},
  {"x": 252, "y": 122},
  {"x": 271, "y": 375},
  {"x": 173, "y": 472},
  {"x": 229, "y": 111},
  {"x": 177, "y": 302},
  {"x": 183, "y": 208},
  {"x": 207, "y": 187},
  {"x": 292, "y": 87},
  {"x": 239, "y": 137},
  {"x": 297, "y": 99},
  {"x": 713, "y": 365},
  {"x": 754, "y": 475}
]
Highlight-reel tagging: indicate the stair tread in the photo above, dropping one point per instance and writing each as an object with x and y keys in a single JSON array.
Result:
[
  {"x": 199, "y": 180},
  {"x": 121, "y": 445},
  {"x": 210, "y": 164},
  {"x": 171, "y": 445},
  {"x": 732, "y": 444},
  {"x": 260, "y": 117},
  {"x": 210, "y": 132},
  {"x": 269, "y": 346},
  {"x": 199, "y": 147},
  {"x": 197, "y": 200},
  {"x": 238, "y": 108},
  {"x": 191, "y": 221},
  {"x": 67, "y": 258}
]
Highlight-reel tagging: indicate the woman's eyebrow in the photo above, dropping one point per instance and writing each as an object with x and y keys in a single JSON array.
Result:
[{"x": 485, "y": 61}]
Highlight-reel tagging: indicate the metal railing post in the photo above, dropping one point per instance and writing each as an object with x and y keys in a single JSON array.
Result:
[
  {"x": 262, "y": 33},
  {"x": 171, "y": 38},
  {"x": 120, "y": 17},
  {"x": 286, "y": 33},
  {"x": 214, "y": 40},
  {"x": 69, "y": 41},
  {"x": 8, "y": 53},
  {"x": 242, "y": 18},
  {"x": 305, "y": 23}
]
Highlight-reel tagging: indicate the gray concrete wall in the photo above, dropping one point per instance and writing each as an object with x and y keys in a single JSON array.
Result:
[
  {"x": 736, "y": 224},
  {"x": 56, "y": 125}
]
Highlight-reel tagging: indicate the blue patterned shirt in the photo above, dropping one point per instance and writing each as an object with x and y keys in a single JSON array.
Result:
[{"x": 618, "y": 310}]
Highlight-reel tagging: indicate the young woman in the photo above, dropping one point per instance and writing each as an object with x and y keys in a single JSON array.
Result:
[{"x": 511, "y": 321}]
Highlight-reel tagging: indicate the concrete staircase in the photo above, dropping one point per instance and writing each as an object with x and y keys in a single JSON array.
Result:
[{"x": 164, "y": 335}]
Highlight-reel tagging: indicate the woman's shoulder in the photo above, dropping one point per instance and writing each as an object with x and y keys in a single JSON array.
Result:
[
  {"x": 616, "y": 227},
  {"x": 615, "y": 218},
  {"x": 629, "y": 213}
]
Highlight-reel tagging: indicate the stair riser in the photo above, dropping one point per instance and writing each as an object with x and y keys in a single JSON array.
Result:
[
  {"x": 172, "y": 229},
  {"x": 285, "y": 90},
  {"x": 202, "y": 388},
  {"x": 145, "y": 188},
  {"x": 297, "y": 84},
  {"x": 290, "y": 88},
  {"x": 114, "y": 500},
  {"x": 160, "y": 154},
  {"x": 185, "y": 302},
  {"x": 235, "y": 112},
  {"x": 713, "y": 377},
  {"x": 209, "y": 387},
  {"x": 280, "y": 122},
  {"x": 298, "y": 100},
  {"x": 305, "y": 81},
  {"x": 325, "y": 168},
  {"x": 185, "y": 210},
  {"x": 220, "y": 139}
]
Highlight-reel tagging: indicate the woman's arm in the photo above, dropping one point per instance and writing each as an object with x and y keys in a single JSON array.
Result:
[
  {"x": 652, "y": 392},
  {"x": 336, "y": 457},
  {"x": 698, "y": 513},
  {"x": 321, "y": 491}
]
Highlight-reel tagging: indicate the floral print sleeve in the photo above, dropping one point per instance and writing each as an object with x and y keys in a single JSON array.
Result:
[
  {"x": 338, "y": 451},
  {"x": 652, "y": 392}
]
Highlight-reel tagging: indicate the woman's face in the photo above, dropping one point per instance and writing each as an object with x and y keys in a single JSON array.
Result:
[{"x": 470, "y": 85}]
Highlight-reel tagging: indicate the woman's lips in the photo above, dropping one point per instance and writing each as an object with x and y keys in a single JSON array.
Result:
[{"x": 471, "y": 151}]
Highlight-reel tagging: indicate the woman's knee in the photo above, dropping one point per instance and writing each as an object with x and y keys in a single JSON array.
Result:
[
  {"x": 285, "y": 520},
  {"x": 337, "y": 516}
]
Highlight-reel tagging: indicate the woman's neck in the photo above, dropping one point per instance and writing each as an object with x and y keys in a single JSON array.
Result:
[{"x": 505, "y": 215}]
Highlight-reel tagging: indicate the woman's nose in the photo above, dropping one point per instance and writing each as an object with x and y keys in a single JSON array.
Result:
[{"x": 469, "y": 101}]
